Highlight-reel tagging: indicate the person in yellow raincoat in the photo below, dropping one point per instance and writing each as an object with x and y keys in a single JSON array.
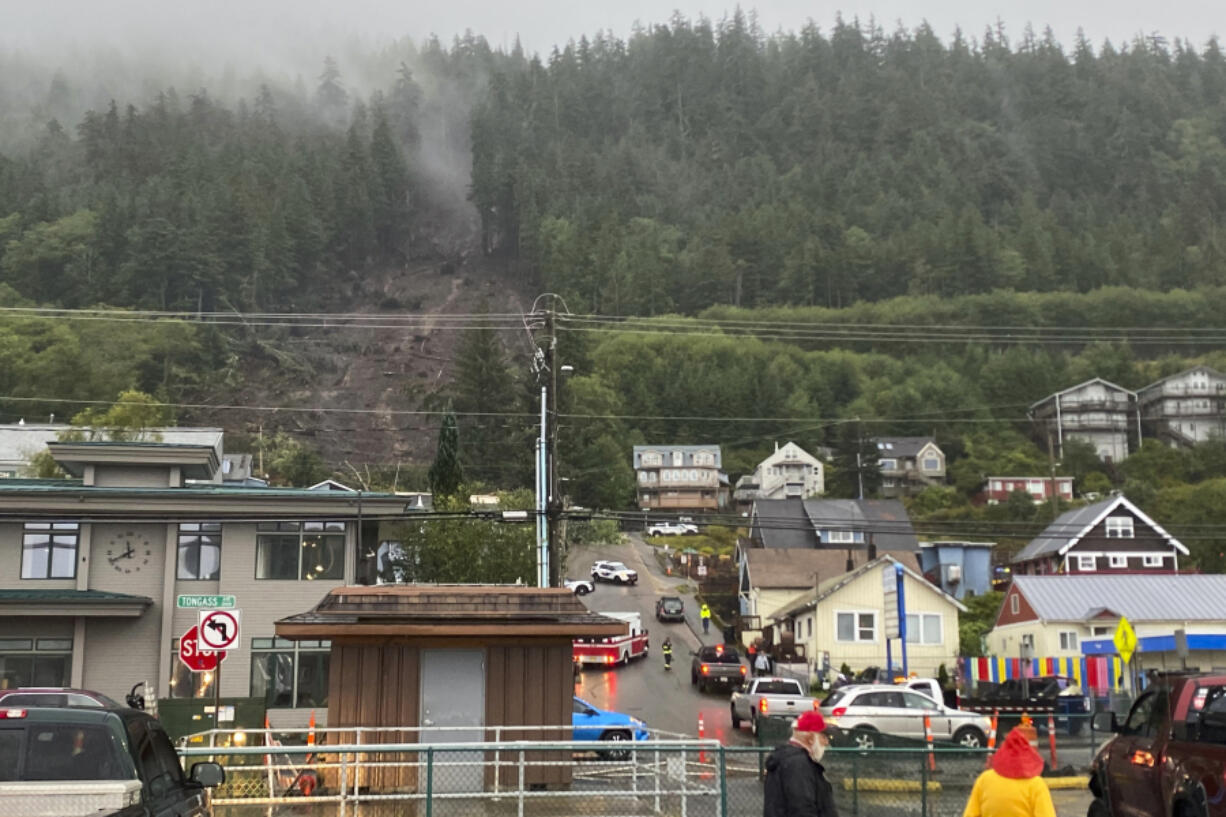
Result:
[{"x": 1012, "y": 786}]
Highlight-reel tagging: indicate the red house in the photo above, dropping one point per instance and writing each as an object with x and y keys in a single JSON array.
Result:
[{"x": 999, "y": 489}]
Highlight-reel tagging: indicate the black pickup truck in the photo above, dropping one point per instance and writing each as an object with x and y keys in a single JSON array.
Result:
[
  {"x": 1053, "y": 694},
  {"x": 718, "y": 666},
  {"x": 96, "y": 761}
]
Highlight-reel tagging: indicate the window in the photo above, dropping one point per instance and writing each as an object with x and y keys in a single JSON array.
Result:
[
  {"x": 651, "y": 458},
  {"x": 932, "y": 464},
  {"x": 678, "y": 458},
  {"x": 1068, "y": 640},
  {"x": 1117, "y": 560},
  {"x": 200, "y": 551},
  {"x": 924, "y": 628},
  {"x": 1151, "y": 561},
  {"x": 1100, "y": 632},
  {"x": 300, "y": 550},
  {"x": 704, "y": 458},
  {"x": 1087, "y": 564},
  {"x": 893, "y": 700},
  {"x": 1013, "y": 604},
  {"x": 288, "y": 674},
  {"x": 1035, "y": 486},
  {"x": 856, "y": 626},
  {"x": 995, "y": 485},
  {"x": 1119, "y": 527},
  {"x": 1147, "y": 714},
  {"x": 29, "y": 662},
  {"x": 810, "y": 621},
  {"x": 840, "y": 536},
  {"x": 888, "y": 465},
  {"x": 49, "y": 550}
]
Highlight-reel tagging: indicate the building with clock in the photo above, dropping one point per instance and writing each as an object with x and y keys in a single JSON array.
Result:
[{"x": 92, "y": 569}]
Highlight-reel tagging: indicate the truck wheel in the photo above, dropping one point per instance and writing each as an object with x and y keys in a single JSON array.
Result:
[
  {"x": 970, "y": 737},
  {"x": 615, "y": 736},
  {"x": 736, "y": 722},
  {"x": 1098, "y": 808},
  {"x": 693, "y": 678}
]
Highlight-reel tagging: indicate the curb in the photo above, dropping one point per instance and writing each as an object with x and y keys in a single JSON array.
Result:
[
  {"x": 1066, "y": 782},
  {"x": 881, "y": 784}
]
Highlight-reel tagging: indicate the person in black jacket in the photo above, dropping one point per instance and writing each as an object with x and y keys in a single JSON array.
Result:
[{"x": 796, "y": 784}]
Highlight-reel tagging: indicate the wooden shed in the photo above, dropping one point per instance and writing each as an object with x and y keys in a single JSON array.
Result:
[{"x": 463, "y": 657}]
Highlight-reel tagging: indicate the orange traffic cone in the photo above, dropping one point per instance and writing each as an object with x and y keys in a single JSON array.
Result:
[{"x": 311, "y": 726}]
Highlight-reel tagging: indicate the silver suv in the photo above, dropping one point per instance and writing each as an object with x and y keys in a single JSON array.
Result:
[{"x": 863, "y": 714}]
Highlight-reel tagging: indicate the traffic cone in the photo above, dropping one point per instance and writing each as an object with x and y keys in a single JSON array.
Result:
[
  {"x": 992, "y": 738},
  {"x": 1051, "y": 738},
  {"x": 1029, "y": 732},
  {"x": 311, "y": 726},
  {"x": 932, "y": 758},
  {"x": 702, "y": 731}
]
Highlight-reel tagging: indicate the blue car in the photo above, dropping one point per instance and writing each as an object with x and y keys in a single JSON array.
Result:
[{"x": 591, "y": 723}]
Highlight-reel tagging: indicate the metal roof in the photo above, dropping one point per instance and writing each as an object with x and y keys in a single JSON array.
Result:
[
  {"x": 1138, "y": 596},
  {"x": 70, "y": 597},
  {"x": 687, "y": 452},
  {"x": 889, "y": 447},
  {"x": 1054, "y": 395}
]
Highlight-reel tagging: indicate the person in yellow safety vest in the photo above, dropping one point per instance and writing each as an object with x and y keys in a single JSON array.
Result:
[
  {"x": 705, "y": 614},
  {"x": 667, "y": 649}
]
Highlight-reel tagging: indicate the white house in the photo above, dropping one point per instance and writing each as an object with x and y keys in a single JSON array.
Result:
[
  {"x": 789, "y": 472},
  {"x": 1186, "y": 408},
  {"x": 1096, "y": 411}
]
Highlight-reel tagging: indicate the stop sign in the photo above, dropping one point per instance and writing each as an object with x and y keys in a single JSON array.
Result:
[{"x": 196, "y": 657}]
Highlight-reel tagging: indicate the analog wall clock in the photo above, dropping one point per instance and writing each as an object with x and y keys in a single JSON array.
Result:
[{"x": 129, "y": 552}]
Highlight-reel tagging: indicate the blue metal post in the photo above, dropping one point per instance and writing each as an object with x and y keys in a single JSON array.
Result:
[
  {"x": 902, "y": 616},
  {"x": 889, "y": 662}
]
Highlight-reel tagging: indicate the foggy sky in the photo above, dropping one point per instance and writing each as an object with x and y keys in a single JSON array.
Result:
[{"x": 255, "y": 31}]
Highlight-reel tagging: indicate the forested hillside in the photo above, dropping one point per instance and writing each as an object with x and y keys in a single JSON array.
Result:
[{"x": 701, "y": 164}]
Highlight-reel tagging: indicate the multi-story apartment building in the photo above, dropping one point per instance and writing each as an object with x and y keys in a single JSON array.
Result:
[
  {"x": 678, "y": 477},
  {"x": 1096, "y": 411},
  {"x": 999, "y": 489},
  {"x": 92, "y": 569},
  {"x": 909, "y": 465},
  {"x": 1186, "y": 408}
]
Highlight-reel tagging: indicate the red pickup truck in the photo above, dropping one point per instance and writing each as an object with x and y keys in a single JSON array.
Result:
[{"x": 1168, "y": 758}]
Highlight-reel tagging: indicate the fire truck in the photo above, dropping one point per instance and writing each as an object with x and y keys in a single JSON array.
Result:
[{"x": 614, "y": 650}]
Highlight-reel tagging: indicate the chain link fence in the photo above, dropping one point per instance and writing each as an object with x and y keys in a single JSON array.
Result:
[{"x": 555, "y": 779}]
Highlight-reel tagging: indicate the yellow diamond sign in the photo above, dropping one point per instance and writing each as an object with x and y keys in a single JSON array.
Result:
[{"x": 1125, "y": 640}]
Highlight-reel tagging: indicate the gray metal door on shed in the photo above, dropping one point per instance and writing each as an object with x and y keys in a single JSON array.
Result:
[{"x": 453, "y": 696}]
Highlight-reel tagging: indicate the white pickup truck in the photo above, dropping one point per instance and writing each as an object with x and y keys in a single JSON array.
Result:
[{"x": 764, "y": 697}]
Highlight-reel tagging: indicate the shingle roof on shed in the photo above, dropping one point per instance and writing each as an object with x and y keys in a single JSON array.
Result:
[{"x": 1139, "y": 597}]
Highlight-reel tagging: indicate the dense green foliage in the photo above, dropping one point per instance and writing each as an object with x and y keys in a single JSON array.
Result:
[{"x": 701, "y": 163}]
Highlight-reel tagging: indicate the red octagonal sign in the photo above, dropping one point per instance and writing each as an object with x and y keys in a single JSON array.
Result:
[{"x": 197, "y": 657}]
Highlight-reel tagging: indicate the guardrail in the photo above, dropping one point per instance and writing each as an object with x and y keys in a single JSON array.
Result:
[{"x": 690, "y": 778}]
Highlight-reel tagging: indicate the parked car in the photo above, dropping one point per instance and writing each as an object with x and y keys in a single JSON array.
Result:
[
  {"x": 592, "y": 723},
  {"x": 616, "y": 572},
  {"x": 55, "y": 696},
  {"x": 580, "y": 587},
  {"x": 1168, "y": 757},
  {"x": 717, "y": 666},
  {"x": 866, "y": 713},
  {"x": 117, "y": 761},
  {"x": 670, "y": 608},
  {"x": 769, "y": 697},
  {"x": 671, "y": 529}
]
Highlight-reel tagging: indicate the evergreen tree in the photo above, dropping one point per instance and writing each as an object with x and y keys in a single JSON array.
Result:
[
  {"x": 483, "y": 389},
  {"x": 855, "y": 470},
  {"x": 445, "y": 473}
]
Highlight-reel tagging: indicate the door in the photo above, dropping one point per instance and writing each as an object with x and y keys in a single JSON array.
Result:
[
  {"x": 920, "y": 705},
  {"x": 1133, "y": 778},
  {"x": 453, "y": 710}
]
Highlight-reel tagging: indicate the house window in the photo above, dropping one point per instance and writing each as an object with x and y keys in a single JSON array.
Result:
[
  {"x": 1035, "y": 486},
  {"x": 1151, "y": 561},
  {"x": 932, "y": 464},
  {"x": 200, "y": 551},
  {"x": 1087, "y": 564},
  {"x": 1119, "y": 527},
  {"x": 49, "y": 550},
  {"x": 35, "y": 662},
  {"x": 1014, "y": 605},
  {"x": 995, "y": 485},
  {"x": 1100, "y": 632},
  {"x": 300, "y": 550},
  {"x": 678, "y": 459},
  {"x": 888, "y": 465},
  {"x": 924, "y": 628},
  {"x": 856, "y": 626},
  {"x": 289, "y": 674},
  {"x": 810, "y": 622},
  {"x": 1118, "y": 561},
  {"x": 651, "y": 458},
  {"x": 840, "y": 536},
  {"x": 1068, "y": 641},
  {"x": 704, "y": 458}
]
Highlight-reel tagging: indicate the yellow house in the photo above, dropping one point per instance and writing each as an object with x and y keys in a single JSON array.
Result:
[{"x": 845, "y": 620}]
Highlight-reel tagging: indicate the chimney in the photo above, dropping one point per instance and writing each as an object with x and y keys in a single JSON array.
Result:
[{"x": 776, "y": 445}]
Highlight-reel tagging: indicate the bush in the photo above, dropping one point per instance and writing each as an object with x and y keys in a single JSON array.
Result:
[{"x": 594, "y": 532}]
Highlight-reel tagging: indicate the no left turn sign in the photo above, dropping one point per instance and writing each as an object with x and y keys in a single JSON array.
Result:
[{"x": 218, "y": 629}]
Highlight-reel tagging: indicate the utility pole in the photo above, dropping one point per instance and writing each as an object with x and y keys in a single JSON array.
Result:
[
  {"x": 553, "y": 504},
  {"x": 1051, "y": 464}
]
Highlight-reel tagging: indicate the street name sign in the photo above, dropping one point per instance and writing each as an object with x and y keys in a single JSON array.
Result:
[{"x": 207, "y": 602}]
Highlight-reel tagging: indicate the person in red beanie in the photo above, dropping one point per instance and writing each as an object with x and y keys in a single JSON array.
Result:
[
  {"x": 1012, "y": 787},
  {"x": 796, "y": 784}
]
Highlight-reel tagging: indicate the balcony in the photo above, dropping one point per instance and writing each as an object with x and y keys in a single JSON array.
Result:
[
  {"x": 1118, "y": 423},
  {"x": 687, "y": 502}
]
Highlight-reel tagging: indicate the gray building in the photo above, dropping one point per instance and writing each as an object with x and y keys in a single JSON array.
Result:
[
  {"x": 684, "y": 478},
  {"x": 908, "y": 465},
  {"x": 1186, "y": 408},
  {"x": 1096, "y": 411},
  {"x": 93, "y": 567}
]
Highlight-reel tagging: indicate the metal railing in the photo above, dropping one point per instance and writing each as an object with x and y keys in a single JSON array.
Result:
[{"x": 690, "y": 778}]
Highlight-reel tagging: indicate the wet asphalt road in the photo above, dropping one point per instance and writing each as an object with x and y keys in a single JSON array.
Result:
[{"x": 663, "y": 699}]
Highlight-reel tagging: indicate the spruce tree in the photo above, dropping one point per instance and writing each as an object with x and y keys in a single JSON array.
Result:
[{"x": 445, "y": 473}]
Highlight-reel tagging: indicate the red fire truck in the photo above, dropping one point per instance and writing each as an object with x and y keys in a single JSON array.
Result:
[{"x": 614, "y": 650}]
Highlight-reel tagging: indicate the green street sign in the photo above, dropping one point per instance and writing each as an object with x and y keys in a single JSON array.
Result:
[{"x": 207, "y": 602}]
